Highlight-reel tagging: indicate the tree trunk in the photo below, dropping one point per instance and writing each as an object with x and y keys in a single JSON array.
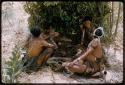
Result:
[
  {"x": 115, "y": 33},
  {"x": 112, "y": 16},
  {"x": 110, "y": 30}
]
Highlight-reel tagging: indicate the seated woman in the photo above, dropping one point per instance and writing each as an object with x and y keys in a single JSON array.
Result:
[
  {"x": 38, "y": 49},
  {"x": 89, "y": 61}
]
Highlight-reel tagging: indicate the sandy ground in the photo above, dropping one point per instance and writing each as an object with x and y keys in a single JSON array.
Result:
[{"x": 15, "y": 31}]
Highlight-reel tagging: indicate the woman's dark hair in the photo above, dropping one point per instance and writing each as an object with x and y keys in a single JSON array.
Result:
[
  {"x": 35, "y": 31},
  {"x": 87, "y": 18},
  {"x": 98, "y": 32},
  {"x": 47, "y": 23},
  {"x": 47, "y": 26}
]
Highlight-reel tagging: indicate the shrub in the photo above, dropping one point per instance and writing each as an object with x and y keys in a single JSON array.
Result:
[
  {"x": 65, "y": 16},
  {"x": 13, "y": 67}
]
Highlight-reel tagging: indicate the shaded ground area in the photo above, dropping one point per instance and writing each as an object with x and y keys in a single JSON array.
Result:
[
  {"x": 16, "y": 31},
  {"x": 46, "y": 75}
]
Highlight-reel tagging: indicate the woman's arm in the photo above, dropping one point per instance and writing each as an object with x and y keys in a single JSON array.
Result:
[
  {"x": 83, "y": 56},
  {"x": 93, "y": 45},
  {"x": 46, "y": 44}
]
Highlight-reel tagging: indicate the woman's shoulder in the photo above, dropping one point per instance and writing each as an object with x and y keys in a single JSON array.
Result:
[{"x": 95, "y": 42}]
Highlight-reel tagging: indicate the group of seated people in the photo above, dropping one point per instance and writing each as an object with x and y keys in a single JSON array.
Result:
[{"x": 40, "y": 47}]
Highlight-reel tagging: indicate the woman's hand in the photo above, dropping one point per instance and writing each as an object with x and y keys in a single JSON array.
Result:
[
  {"x": 51, "y": 45},
  {"x": 77, "y": 61}
]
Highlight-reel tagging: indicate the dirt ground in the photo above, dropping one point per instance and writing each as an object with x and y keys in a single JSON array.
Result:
[{"x": 15, "y": 30}]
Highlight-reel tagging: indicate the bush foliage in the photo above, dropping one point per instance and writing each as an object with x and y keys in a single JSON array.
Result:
[
  {"x": 65, "y": 16},
  {"x": 13, "y": 67}
]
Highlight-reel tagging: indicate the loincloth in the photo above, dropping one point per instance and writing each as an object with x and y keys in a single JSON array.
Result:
[{"x": 92, "y": 67}]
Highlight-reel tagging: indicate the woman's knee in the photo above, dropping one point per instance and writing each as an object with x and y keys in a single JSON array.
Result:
[{"x": 77, "y": 69}]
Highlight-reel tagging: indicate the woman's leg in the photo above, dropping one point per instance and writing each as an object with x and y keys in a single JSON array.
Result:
[
  {"x": 44, "y": 56},
  {"x": 76, "y": 68}
]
